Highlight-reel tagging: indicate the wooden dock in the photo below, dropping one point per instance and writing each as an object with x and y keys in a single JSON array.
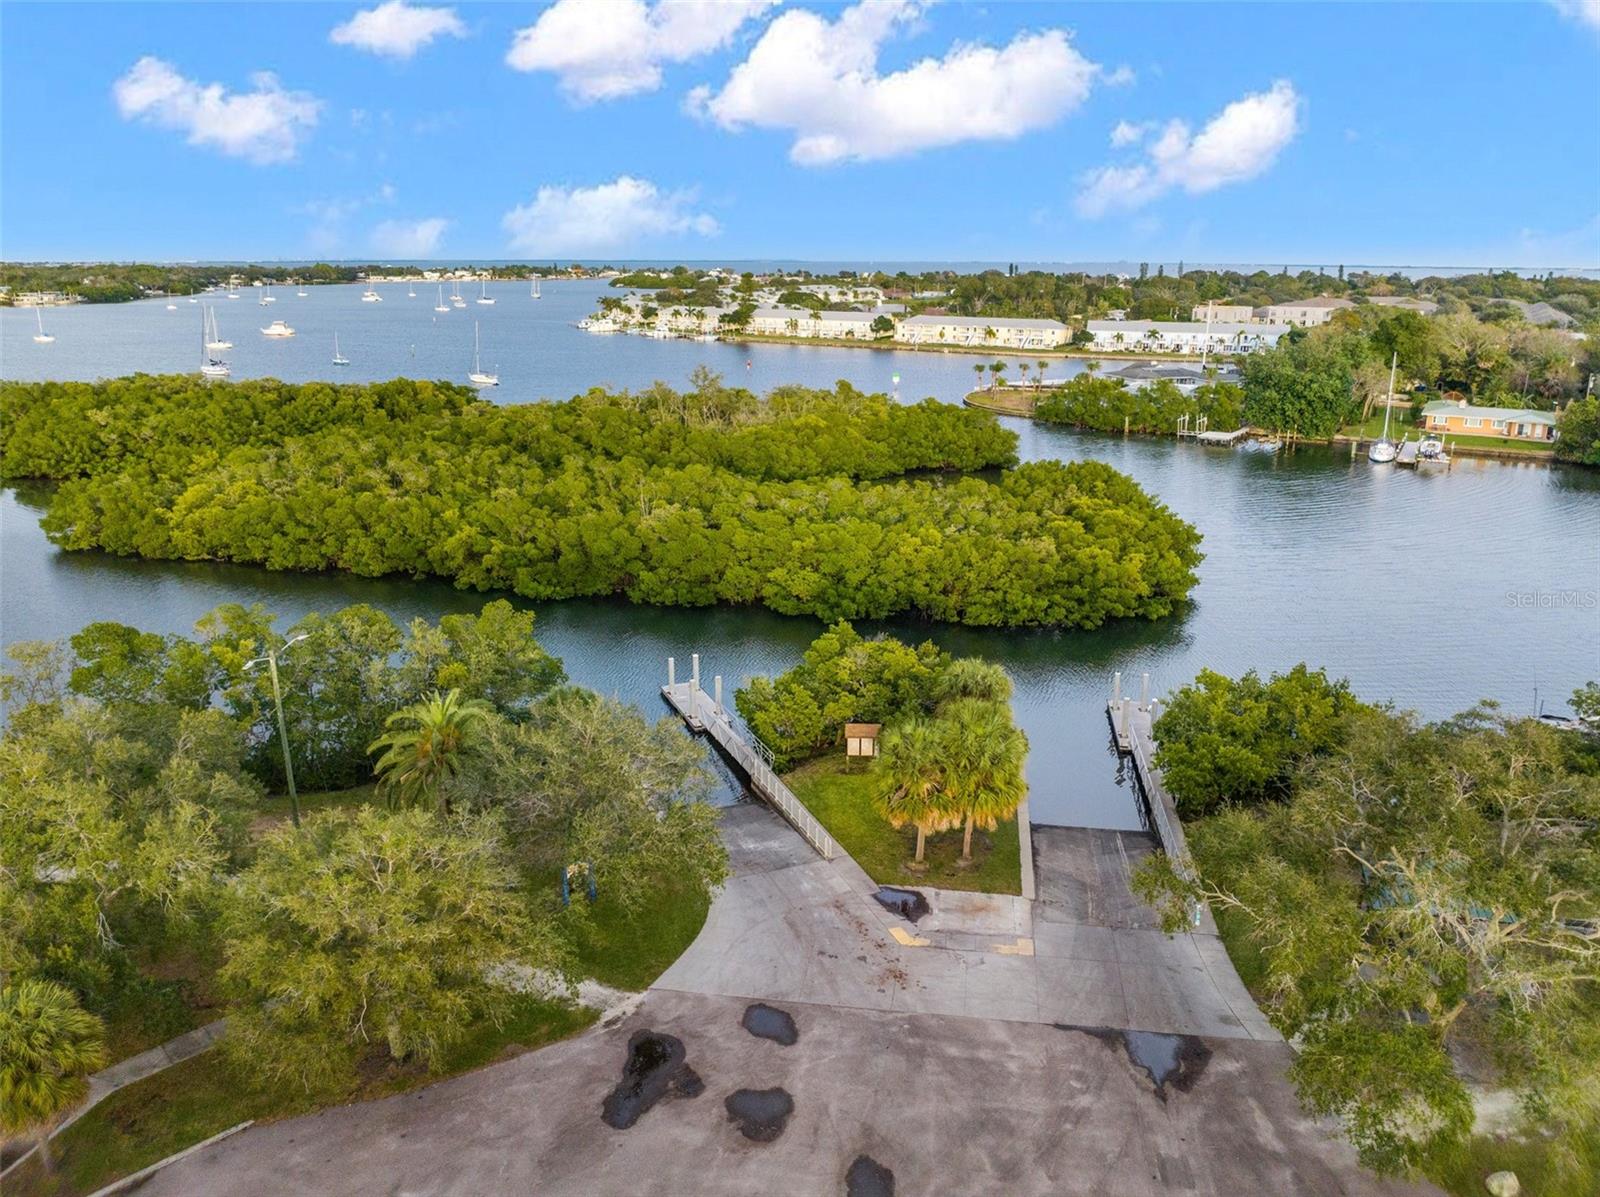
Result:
[
  {"x": 703, "y": 713},
  {"x": 1131, "y": 724},
  {"x": 1209, "y": 437},
  {"x": 1407, "y": 456}
]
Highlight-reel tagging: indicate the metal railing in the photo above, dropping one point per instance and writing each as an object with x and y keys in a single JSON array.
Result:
[{"x": 755, "y": 758}]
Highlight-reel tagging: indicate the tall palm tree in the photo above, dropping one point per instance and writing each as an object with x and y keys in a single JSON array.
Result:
[
  {"x": 1023, "y": 368},
  {"x": 984, "y": 752},
  {"x": 979, "y": 370},
  {"x": 908, "y": 781},
  {"x": 48, "y": 1047},
  {"x": 425, "y": 745}
]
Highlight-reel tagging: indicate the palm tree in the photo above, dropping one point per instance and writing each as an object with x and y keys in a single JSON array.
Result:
[
  {"x": 973, "y": 677},
  {"x": 1024, "y": 367},
  {"x": 1041, "y": 364},
  {"x": 984, "y": 752},
  {"x": 909, "y": 780},
  {"x": 48, "y": 1047},
  {"x": 425, "y": 745},
  {"x": 979, "y": 370}
]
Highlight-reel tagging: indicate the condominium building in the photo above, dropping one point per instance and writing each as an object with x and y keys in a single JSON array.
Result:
[{"x": 999, "y": 332}]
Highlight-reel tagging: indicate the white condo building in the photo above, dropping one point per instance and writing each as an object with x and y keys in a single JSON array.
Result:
[
  {"x": 802, "y": 322},
  {"x": 998, "y": 332},
  {"x": 1184, "y": 336}
]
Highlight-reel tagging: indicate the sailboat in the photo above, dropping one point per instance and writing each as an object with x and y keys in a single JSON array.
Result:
[
  {"x": 216, "y": 342},
  {"x": 41, "y": 337},
  {"x": 370, "y": 296},
  {"x": 302, "y": 293},
  {"x": 483, "y": 293},
  {"x": 478, "y": 378},
  {"x": 411, "y": 291},
  {"x": 210, "y": 367},
  {"x": 533, "y": 289},
  {"x": 441, "y": 306},
  {"x": 1383, "y": 449},
  {"x": 455, "y": 295},
  {"x": 267, "y": 296},
  {"x": 338, "y": 358}
]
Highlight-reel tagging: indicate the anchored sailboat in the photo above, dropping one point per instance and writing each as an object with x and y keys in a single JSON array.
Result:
[
  {"x": 338, "y": 358},
  {"x": 441, "y": 306},
  {"x": 216, "y": 342},
  {"x": 1383, "y": 449},
  {"x": 210, "y": 367},
  {"x": 483, "y": 292},
  {"x": 41, "y": 337},
  {"x": 533, "y": 289},
  {"x": 478, "y": 378}
]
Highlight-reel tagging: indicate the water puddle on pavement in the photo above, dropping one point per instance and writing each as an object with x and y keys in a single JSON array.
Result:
[
  {"x": 768, "y": 1022},
  {"x": 1175, "y": 1060},
  {"x": 868, "y": 1178},
  {"x": 655, "y": 1067},
  {"x": 907, "y": 903},
  {"x": 761, "y": 1113}
]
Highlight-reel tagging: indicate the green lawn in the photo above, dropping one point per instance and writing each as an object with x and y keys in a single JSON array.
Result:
[
  {"x": 1401, "y": 423},
  {"x": 835, "y": 791},
  {"x": 630, "y": 953},
  {"x": 201, "y": 1097}
]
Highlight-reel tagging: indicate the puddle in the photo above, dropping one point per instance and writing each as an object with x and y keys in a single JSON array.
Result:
[
  {"x": 907, "y": 903},
  {"x": 655, "y": 1067},
  {"x": 768, "y": 1022},
  {"x": 761, "y": 1113},
  {"x": 1175, "y": 1060},
  {"x": 868, "y": 1178}
]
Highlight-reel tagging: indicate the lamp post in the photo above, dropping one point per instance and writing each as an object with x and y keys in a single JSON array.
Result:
[{"x": 271, "y": 662}]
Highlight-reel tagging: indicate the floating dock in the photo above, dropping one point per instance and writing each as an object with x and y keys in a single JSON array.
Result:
[{"x": 1209, "y": 437}]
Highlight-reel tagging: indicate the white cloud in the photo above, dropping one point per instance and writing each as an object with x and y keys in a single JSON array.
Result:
[
  {"x": 1584, "y": 12},
  {"x": 396, "y": 29},
  {"x": 1123, "y": 76},
  {"x": 1239, "y": 143},
  {"x": 263, "y": 125},
  {"x": 820, "y": 79},
  {"x": 622, "y": 214},
  {"x": 1129, "y": 133},
  {"x": 603, "y": 49},
  {"x": 409, "y": 238}
]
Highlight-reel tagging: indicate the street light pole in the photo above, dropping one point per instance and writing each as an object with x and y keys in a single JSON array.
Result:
[{"x": 283, "y": 730}]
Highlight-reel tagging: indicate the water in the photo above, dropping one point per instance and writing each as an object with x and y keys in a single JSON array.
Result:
[
  {"x": 1431, "y": 590},
  {"x": 1175, "y": 1060},
  {"x": 655, "y": 1067},
  {"x": 909, "y": 904},
  {"x": 769, "y": 1022},
  {"x": 761, "y": 1114}
]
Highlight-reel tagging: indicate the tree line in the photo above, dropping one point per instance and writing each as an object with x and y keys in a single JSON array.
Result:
[
  {"x": 1402, "y": 897},
  {"x": 829, "y": 503},
  {"x": 134, "y": 774}
]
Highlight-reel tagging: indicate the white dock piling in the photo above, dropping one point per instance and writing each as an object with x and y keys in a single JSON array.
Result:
[
  {"x": 716, "y": 690},
  {"x": 672, "y": 670},
  {"x": 1116, "y": 689},
  {"x": 1144, "y": 691}
]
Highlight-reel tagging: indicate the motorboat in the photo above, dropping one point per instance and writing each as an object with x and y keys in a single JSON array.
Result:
[
  {"x": 338, "y": 358},
  {"x": 478, "y": 377},
  {"x": 1431, "y": 448},
  {"x": 41, "y": 337},
  {"x": 1383, "y": 449},
  {"x": 277, "y": 329}
]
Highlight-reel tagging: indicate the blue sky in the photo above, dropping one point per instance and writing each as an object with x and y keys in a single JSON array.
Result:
[{"x": 1443, "y": 134}]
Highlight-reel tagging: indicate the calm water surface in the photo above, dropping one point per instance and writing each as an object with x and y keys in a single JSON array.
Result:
[{"x": 1430, "y": 590}]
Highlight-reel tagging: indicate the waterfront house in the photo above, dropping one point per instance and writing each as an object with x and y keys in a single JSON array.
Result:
[
  {"x": 1183, "y": 336},
  {"x": 995, "y": 332},
  {"x": 1541, "y": 314},
  {"x": 1456, "y": 417},
  {"x": 803, "y": 322},
  {"x": 1229, "y": 313},
  {"x": 1185, "y": 377},
  {"x": 1307, "y": 313},
  {"x": 861, "y": 739}
]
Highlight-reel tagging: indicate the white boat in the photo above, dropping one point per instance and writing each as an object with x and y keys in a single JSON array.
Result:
[
  {"x": 371, "y": 296},
  {"x": 455, "y": 295},
  {"x": 478, "y": 378},
  {"x": 483, "y": 293},
  {"x": 172, "y": 307},
  {"x": 216, "y": 342},
  {"x": 277, "y": 329},
  {"x": 267, "y": 296},
  {"x": 210, "y": 367},
  {"x": 338, "y": 358},
  {"x": 411, "y": 291},
  {"x": 192, "y": 299},
  {"x": 1430, "y": 451},
  {"x": 533, "y": 289},
  {"x": 302, "y": 294},
  {"x": 41, "y": 337},
  {"x": 441, "y": 306},
  {"x": 232, "y": 294},
  {"x": 1383, "y": 449}
]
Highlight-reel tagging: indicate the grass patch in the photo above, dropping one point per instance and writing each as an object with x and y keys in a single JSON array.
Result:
[
  {"x": 201, "y": 1097},
  {"x": 1007, "y": 400},
  {"x": 1401, "y": 423},
  {"x": 836, "y": 792},
  {"x": 630, "y": 951},
  {"x": 1461, "y": 1170}
]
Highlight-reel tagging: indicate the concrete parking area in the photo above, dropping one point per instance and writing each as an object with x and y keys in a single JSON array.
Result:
[{"x": 949, "y": 1105}]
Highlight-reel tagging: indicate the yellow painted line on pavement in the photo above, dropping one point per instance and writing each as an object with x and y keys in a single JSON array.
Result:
[
  {"x": 906, "y": 939},
  {"x": 1023, "y": 947}
]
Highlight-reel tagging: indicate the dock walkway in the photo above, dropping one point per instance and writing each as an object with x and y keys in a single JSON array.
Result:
[{"x": 703, "y": 713}]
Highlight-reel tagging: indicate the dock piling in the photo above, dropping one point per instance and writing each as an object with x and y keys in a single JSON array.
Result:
[
  {"x": 672, "y": 669},
  {"x": 716, "y": 690},
  {"x": 1116, "y": 689},
  {"x": 1144, "y": 692}
]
